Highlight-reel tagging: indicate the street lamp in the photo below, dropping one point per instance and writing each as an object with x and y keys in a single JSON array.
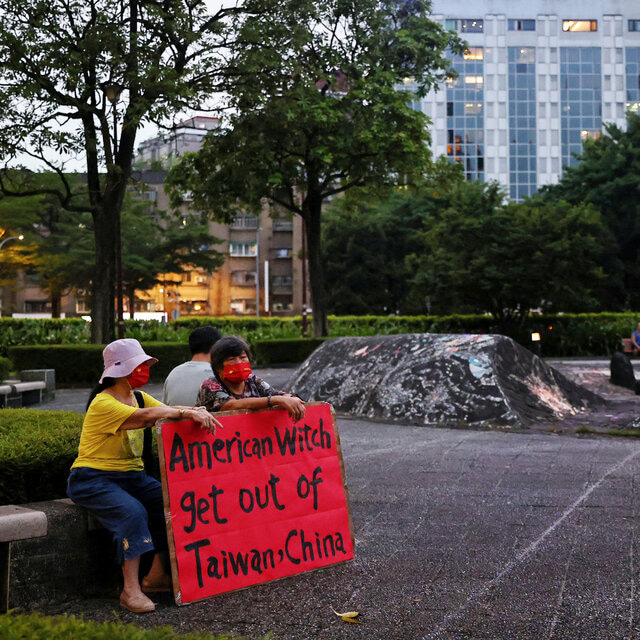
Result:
[
  {"x": 112, "y": 91},
  {"x": 10, "y": 238}
]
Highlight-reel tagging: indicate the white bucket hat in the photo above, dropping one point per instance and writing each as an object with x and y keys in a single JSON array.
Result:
[{"x": 121, "y": 357}]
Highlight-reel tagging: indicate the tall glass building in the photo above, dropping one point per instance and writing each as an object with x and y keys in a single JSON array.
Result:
[{"x": 539, "y": 77}]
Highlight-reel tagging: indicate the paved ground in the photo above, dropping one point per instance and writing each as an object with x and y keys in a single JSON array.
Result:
[{"x": 459, "y": 535}]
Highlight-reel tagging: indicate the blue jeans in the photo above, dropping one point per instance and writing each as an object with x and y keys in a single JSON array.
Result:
[{"x": 127, "y": 503}]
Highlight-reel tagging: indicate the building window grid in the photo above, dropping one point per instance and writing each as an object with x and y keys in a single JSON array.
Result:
[
  {"x": 632, "y": 71},
  {"x": 579, "y": 25},
  {"x": 465, "y": 114},
  {"x": 522, "y": 25},
  {"x": 245, "y": 221},
  {"x": 522, "y": 122},
  {"x": 242, "y": 249},
  {"x": 581, "y": 98},
  {"x": 465, "y": 25}
]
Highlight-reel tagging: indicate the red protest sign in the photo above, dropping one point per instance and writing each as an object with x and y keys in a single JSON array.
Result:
[{"x": 262, "y": 499}]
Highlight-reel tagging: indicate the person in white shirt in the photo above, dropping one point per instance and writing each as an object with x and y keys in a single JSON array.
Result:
[{"x": 184, "y": 381}]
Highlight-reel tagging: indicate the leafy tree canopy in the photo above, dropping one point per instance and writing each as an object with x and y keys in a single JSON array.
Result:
[
  {"x": 59, "y": 243},
  {"x": 608, "y": 177},
  {"x": 57, "y": 59},
  {"x": 316, "y": 110},
  {"x": 367, "y": 235},
  {"x": 480, "y": 254}
]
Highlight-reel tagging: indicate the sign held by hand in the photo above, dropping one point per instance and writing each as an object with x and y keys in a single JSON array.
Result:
[{"x": 262, "y": 499}]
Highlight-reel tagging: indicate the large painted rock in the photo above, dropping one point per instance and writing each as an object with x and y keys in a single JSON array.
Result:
[{"x": 448, "y": 380}]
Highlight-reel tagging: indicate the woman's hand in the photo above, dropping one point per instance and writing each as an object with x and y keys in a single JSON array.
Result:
[
  {"x": 292, "y": 404},
  {"x": 204, "y": 419}
]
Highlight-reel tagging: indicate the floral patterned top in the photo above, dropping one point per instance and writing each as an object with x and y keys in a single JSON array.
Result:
[{"x": 213, "y": 395}]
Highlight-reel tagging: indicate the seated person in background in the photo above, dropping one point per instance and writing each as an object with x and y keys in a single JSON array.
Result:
[
  {"x": 233, "y": 386},
  {"x": 183, "y": 382},
  {"x": 635, "y": 340}
]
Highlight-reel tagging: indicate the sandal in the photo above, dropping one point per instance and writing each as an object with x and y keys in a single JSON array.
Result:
[{"x": 137, "y": 604}]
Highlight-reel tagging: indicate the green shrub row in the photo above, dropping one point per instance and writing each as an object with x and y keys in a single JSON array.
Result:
[
  {"x": 35, "y": 626},
  {"x": 37, "y": 449},
  {"x": 270, "y": 352},
  {"x": 572, "y": 334},
  {"x": 81, "y": 364},
  {"x": 6, "y": 367}
]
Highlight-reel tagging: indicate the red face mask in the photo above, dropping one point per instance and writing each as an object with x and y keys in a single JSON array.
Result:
[
  {"x": 237, "y": 372},
  {"x": 139, "y": 377}
]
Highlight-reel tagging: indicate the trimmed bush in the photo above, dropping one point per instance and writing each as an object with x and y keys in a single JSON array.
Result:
[
  {"x": 37, "y": 449},
  {"x": 572, "y": 334},
  {"x": 77, "y": 364},
  {"x": 74, "y": 363},
  {"x": 81, "y": 364},
  {"x": 6, "y": 367},
  {"x": 270, "y": 352},
  {"x": 35, "y": 626},
  {"x": 15, "y": 331}
]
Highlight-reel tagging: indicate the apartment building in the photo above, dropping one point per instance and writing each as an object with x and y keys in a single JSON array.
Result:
[
  {"x": 262, "y": 274},
  {"x": 539, "y": 78}
]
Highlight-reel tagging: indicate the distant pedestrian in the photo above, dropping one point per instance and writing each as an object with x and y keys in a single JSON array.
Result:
[{"x": 183, "y": 382}]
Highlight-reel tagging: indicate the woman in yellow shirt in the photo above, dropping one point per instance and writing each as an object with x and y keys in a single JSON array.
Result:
[{"x": 108, "y": 475}]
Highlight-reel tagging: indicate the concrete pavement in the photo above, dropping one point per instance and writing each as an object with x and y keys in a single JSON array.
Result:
[{"x": 459, "y": 535}]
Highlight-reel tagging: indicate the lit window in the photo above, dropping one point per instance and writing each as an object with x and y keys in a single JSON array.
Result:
[
  {"x": 465, "y": 25},
  {"x": 522, "y": 25},
  {"x": 243, "y": 305},
  {"x": 473, "y": 79},
  {"x": 242, "y": 249},
  {"x": 634, "y": 25},
  {"x": 471, "y": 26},
  {"x": 473, "y": 53},
  {"x": 590, "y": 135},
  {"x": 473, "y": 107},
  {"x": 579, "y": 25}
]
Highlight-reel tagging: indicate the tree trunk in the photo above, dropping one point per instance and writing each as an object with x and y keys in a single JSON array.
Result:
[
  {"x": 312, "y": 208},
  {"x": 103, "y": 298},
  {"x": 55, "y": 303},
  {"x": 131, "y": 294}
]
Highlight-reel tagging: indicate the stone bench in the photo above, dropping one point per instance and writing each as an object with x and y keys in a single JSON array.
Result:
[
  {"x": 48, "y": 376},
  {"x": 16, "y": 523},
  {"x": 5, "y": 391},
  {"x": 76, "y": 559},
  {"x": 16, "y": 394}
]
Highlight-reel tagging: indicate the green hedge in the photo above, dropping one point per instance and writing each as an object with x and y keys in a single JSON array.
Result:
[
  {"x": 572, "y": 334},
  {"x": 81, "y": 364},
  {"x": 270, "y": 352},
  {"x": 35, "y": 626},
  {"x": 6, "y": 367},
  {"x": 37, "y": 449}
]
